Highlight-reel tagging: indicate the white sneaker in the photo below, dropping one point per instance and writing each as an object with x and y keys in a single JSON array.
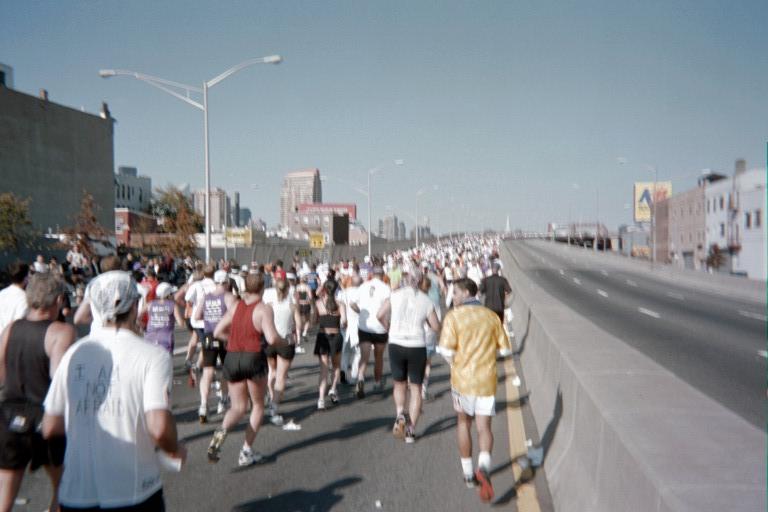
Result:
[
  {"x": 321, "y": 405},
  {"x": 202, "y": 414},
  {"x": 301, "y": 350},
  {"x": 248, "y": 457},
  {"x": 277, "y": 420},
  {"x": 271, "y": 409},
  {"x": 222, "y": 407}
]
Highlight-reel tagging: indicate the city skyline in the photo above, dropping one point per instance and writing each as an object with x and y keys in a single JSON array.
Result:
[{"x": 533, "y": 111}]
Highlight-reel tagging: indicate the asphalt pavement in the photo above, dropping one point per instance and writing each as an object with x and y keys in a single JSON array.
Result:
[
  {"x": 714, "y": 342},
  {"x": 344, "y": 458}
]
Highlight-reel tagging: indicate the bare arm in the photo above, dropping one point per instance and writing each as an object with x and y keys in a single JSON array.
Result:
[
  {"x": 83, "y": 314},
  {"x": 162, "y": 429},
  {"x": 433, "y": 322},
  {"x": 3, "y": 348},
  {"x": 53, "y": 426},
  {"x": 384, "y": 313},
  {"x": 59, "y": 338},
  {"x": 222, "y": 328},
  {"x": 177, "y": 314}
]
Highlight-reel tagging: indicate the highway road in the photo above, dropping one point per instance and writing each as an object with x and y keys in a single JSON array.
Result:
[{"x": 714, "y": 342}]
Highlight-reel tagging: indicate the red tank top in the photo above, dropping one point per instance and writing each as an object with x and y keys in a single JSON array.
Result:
[{"x": 243, "y": 336}]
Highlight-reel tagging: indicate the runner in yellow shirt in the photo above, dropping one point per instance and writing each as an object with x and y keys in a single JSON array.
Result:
[{"x": 469, "y": 341}]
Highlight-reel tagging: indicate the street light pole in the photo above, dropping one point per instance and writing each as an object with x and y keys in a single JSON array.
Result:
[{"x": 173, "y": 88}]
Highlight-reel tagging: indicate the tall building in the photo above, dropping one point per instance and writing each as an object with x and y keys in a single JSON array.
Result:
[
  {"x": 132, "y": 191},
  {"x": 220, "y": 207},
  {"x": 402, "y": 234},
  {"x": 245, "y": 216},
  {"x": 50, "y": 153},
  {"x": 389, "y": 228},
  {"x": 299, "y": 187}
]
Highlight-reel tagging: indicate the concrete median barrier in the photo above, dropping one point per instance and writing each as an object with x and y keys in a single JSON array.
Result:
[{"x": 620, "y": 432}]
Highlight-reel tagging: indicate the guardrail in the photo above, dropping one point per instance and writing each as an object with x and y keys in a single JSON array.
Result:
[{"x": 629, "y": 435}]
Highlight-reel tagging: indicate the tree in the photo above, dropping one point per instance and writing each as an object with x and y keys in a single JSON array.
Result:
[
  {"x": 715, "y": 258},
  {"x": 179, "y": 220},
  {"x": 86, "y": 227},
  {"x": 15, "y": 224}
]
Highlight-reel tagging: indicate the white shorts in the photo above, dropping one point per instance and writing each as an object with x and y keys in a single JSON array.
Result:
[{"x": 473, "y": 405}]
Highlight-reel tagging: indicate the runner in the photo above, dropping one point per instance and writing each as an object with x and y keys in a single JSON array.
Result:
[
  {"x": 371, "y": 295},
  {"x": 13, "y": 299},
  {"x": 434, "y": 288},
  {"x": 469, "y": 341},
  {"x": 245, "y": 366},
  {"x": 331, "y": 316},
  {"x": 304, "y": 300},
  {"x": 404, "y": 313},
  {"x": 162, "y": 316},
  {"x": 351, "y": 334},
  {"x": 194, "y": 298},
  {"x": 496, "y": 290},
  {"x": 215, "y": 304},
  {"x": 279, "y": 358},
  {"x": 30, "y": 351}
]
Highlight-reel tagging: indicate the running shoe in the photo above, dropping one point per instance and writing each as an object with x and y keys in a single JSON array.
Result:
[
  {"x": 300, "y": 350},
  {"x": 470, "y": 481},
  {"x": 360, "y": 389},
  {"x": 247, "y": 457},
  {"x": 333, "y": 396},
  {"x": 425, "y": 395},
  {"x": 321, "y": 405},
  {"x": 410, "y": 434},
  {"x": 202, "y": 414},
  {"x": 223, "y": 406},
  {"x": 398, "y": 429},
  {"x": 378, "y": 387},
  {"x": 214, "y": 449},
  {"x": 485, "y": 489},
  {"x": 277, "y": 420}
]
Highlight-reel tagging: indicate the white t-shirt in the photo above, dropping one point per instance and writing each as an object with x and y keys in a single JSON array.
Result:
[
  {"x": 370, "y": 296},
  {"x": 349, "y": 296},
  {"x": 13, "y": 305},
  {"x": 196, "y": 295},
  {"x": 284, "y": 322},
  {"x": 103, "y": 386},
  {"x": 410, "y": 309}
]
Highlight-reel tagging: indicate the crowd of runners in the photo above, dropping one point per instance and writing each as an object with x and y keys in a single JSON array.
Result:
[{"x": 245, "y": 325}]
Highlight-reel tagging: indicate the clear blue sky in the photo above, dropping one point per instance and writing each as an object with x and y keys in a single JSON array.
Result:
[{"x": 510, "y": 107}]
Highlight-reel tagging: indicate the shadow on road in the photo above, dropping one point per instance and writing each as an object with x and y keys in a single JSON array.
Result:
[
  {"x": 517, "y": 353},
  {"x": 321, "y": 500}
]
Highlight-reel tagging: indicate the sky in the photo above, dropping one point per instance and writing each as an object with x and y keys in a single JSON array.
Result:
[{"x": 540, "y": 111}]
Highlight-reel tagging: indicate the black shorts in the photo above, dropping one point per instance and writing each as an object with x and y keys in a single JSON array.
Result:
[
  {"x": 372, "y": 337},
  {"x": 188, "y": 323},
  {"x": 212, "y": 349},
  {"x": 407, "y": 363},
  {"x": 154, "y": 503},
  {"x": 285, "y": 351},
  {"x": 239, "y": 366},
  {"x": 305, "y": 309},
  {"x": 328, "y": 344},
  {"x": 19, "y": 450}
]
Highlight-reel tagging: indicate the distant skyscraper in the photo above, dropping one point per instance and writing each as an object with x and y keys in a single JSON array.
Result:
[
  {"x": 219, "y": 207},
  {"x": 299, "y": 187},
  {"x": 389, "y": 227},
  {"x": 402, "y": 234},
  {"x": 236, "y": 211}
]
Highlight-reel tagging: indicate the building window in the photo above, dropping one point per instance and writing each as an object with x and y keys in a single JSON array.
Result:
[
  {"x": 747, "y": 220},
  {"x": 722, "y": 203},
  {"x": 317, "y": 220},
  {"x": 722, "y": 229},
  {"x": 305, "y": 220},
  {"x": 757, "y": 218}
]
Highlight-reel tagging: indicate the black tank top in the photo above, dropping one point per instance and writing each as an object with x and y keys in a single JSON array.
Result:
[
  {"x": 27, "y": 365},
  {"x": 329, "y": 321}
]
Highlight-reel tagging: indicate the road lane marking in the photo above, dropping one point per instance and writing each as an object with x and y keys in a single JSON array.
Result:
[
  {"x": 561, "y": 272},
  {"x": 631, "y": 283},
  {"x": 755, "y": 316},
  {"x": 575, "y": 280},
  {"x": 527, "y": 499},
  {"x": 602, "y": 293},
  {"x": 762, "y": 353},
  {"x": 674, "y": 295},
  {"x": 649, "y": 312},
  {"x": 604, "y": 272}
]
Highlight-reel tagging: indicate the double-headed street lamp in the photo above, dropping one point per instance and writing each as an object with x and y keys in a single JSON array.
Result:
[{"x": 173, "y": 89}]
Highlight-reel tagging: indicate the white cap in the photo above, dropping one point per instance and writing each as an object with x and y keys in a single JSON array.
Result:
[
  {"x": 163, "y": 290},
  {"x": 112, "y": 294},
  {"x": 220, "y": 276}
]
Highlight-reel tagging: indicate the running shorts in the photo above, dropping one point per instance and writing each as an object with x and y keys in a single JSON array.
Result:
[
  {"x": 239, "y": 366},
  {"x": 328, "y": 344},
  {"x": 285, "y": 351},
  {"x": 407, "y": 363},
  {"x": 372, "y": 337},
  {"x": 305, "y": 309},
  {"x": 19, "y": 450},
  {"x": 154, "y": 503},
  {"x": 473, "y": 405},
  {"x": 212, "y": 349}
]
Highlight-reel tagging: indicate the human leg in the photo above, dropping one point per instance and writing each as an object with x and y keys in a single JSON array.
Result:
[
  {"x": 10, "y": 482},
  {"x": 378, "y": 361},
  {"x": 54, "y": 475}
]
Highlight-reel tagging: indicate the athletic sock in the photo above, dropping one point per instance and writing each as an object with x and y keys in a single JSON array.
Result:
[
  {"x": 246, "y": 447},
  {"x": 484, "y": 460},
  {"x": 466, "y": 467}
]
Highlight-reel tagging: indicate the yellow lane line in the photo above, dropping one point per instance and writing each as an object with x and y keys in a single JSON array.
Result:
[{"x": 527, "y": 500}]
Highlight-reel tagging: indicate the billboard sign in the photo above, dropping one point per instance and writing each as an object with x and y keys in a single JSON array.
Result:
[
  {"x": 239, "y": 237},
  {"x": 645, "y": 194},
  {"x": 316, "y": 240}
]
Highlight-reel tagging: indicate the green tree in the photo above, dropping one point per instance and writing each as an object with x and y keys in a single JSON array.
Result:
[
  {"x": 86, "y": 227},
  {"x": 15, "y": 224},
  {"x": 179, "y": 220}
]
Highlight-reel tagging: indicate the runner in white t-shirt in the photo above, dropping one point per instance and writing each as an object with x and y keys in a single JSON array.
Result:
[
  {"x": 13, "y": 299},
  {"x": 370, "y": 296},
  {"x": 111, "y": 397},
  {"x": 405, "y": 313}
]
